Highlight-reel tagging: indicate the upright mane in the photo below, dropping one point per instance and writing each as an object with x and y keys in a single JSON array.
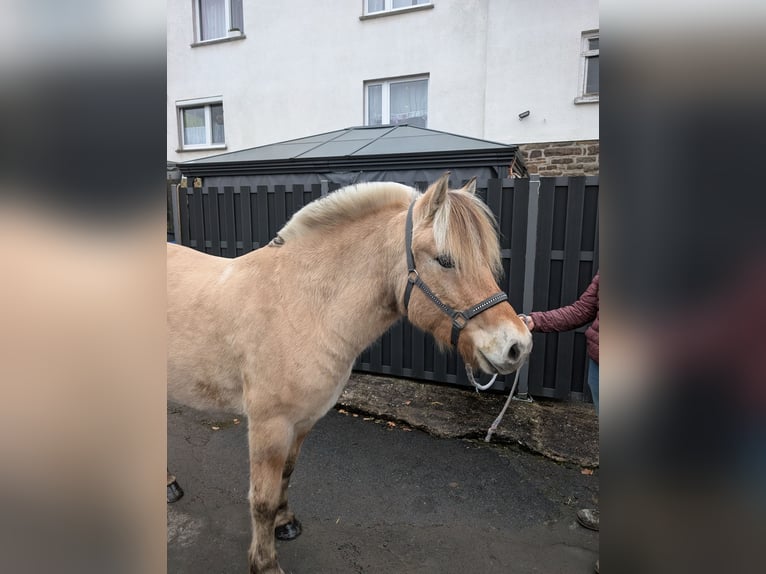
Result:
[
  {"x": 350, "y": 202},
  {"x": 466, "y": 229}
]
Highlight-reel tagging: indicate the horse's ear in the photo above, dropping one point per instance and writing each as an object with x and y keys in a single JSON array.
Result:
[
  {"x": 470, "y": 187},
  {"x": 436, "y": 195}
]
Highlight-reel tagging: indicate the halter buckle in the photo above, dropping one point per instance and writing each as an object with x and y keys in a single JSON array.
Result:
[
  {"x": 413, "y": 276},
  {"x": 459, "y": 320}
]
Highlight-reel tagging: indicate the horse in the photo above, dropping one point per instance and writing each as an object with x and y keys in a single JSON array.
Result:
[{"x": 273, "y": 334}]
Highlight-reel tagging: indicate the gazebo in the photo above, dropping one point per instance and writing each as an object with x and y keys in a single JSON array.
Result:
[{"x": 401, "y": 153}]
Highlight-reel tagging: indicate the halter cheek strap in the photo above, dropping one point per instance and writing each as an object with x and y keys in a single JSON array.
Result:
[{"x": 459, "y": 318}]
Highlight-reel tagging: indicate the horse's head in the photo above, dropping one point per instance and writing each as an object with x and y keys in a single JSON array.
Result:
[{"x": 456, "y": 256}]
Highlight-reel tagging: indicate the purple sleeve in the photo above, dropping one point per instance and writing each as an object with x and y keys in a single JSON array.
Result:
[{"x": 582, "y": 311}]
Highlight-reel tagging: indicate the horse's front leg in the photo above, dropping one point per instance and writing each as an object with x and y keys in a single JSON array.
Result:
[
  {"x": 288, "y": 527},
  {"x": 270, "y": 445}
]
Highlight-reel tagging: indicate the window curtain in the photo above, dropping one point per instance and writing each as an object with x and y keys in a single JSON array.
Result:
[
  {"x": 374, "y": 105},
  {"x": 216, "y": 113},
  {"x": 237, "y": 19},
  {"x": 409, "y": 103},
  {"x": 212, "y": 19},
  {"x": 375, "y": 5},
  {"x": 194, "y": 126},
  {"x": 591, "y": 71},
  {"x": 405, "y": 3}
]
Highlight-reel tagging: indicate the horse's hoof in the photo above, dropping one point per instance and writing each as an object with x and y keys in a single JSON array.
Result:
[
  {"x": 174, "y": 492},
  {"x": 289, "y": 531}
]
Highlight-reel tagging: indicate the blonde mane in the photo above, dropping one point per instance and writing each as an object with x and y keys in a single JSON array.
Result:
[
  {"x": 350, "y": 202},
  {"x": 466, "y": 230}
]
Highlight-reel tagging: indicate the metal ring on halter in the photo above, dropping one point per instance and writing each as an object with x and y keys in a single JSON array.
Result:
[{"x": 459, "y": 320}]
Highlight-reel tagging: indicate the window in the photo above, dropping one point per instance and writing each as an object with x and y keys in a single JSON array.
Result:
[
  {"x": 201, "y": 124},
  {"x": 590, "y": 69},
  {"x": 376, "y": 6},
  {"x": 216, "y": 19},
  {"x": 399, "y": 101}
]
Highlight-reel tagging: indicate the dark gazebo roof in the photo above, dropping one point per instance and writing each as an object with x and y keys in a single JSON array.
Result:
[{"x": 361, "y": 148}]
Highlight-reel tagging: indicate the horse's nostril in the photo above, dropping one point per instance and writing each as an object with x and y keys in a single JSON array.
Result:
[{"x": 514, "y": 352}]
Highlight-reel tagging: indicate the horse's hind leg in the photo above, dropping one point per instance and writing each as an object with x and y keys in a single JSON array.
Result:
[
  {"x": 288, "y": 527},
  {"x": 270, "y": 446},
  {"x": 174, "y": 490}
]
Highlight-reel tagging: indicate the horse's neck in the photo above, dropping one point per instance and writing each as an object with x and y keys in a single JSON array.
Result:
[{"x": 349, "y": 283}]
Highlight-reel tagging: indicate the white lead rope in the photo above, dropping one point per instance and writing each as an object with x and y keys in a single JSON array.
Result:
[
  {"x": 475, "y": 383},
  {"x": 478, "y": 387},
  {"x": 499, "y": 418}
]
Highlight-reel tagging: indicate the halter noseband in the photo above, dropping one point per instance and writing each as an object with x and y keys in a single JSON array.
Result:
[{"x": 459, "y": 318}]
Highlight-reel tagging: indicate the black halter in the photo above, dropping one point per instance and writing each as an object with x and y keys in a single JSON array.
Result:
[{"x": 459, "y": 318}]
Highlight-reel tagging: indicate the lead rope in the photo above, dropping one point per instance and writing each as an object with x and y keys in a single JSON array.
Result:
[
  {"x": 475, "y": 383},
  {"x": 499, "y": 418},
  {"x": 478, "y": 387}
]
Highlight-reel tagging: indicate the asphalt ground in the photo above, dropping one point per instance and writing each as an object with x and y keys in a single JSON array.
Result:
[{"x": 376, "y": 496}]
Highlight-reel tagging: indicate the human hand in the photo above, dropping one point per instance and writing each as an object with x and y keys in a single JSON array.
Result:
[{"x": 528, "y": 321}]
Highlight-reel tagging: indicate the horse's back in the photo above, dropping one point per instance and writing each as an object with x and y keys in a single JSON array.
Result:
[{"x": 182, "y": 260}]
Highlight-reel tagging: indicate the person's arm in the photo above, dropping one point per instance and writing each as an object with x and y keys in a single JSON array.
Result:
[{"x": 582, "y": 311}]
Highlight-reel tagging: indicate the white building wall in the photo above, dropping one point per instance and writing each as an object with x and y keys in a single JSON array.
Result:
[
  {"x": 302, "y": 66},
  {"x": 534, "y": 64}
]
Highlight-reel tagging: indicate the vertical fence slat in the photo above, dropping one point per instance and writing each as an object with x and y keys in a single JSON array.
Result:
[
  {"x": 418, "y": 352},
  {"x": 238, "y": 216},
  {"x": 406, "y": 345},
  {"x": 230, "y": 221},
  {"x": 298, "y": 200},
  {"x": 520, "y": 199},
  {"x": 212, "y": 229},
  {"x": 575, "y": 196},
  {"x": 198, "y": 227},
  {"x": 262, "y": 201},
  {"x": 183, "y": 209},
  {"x": 316, "y": 192},
  {"x": 537, "y": 359},
  {"x": 397, "y": 355},
  {"x": 247, "y": 219},
  {"x": 280, "y": 215}
]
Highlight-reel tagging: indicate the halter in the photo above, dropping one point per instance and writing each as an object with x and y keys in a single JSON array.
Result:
[{"x": 459, "y": 318}]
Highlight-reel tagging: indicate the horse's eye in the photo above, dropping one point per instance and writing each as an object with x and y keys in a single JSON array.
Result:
[{"x": 445, "y": 261}]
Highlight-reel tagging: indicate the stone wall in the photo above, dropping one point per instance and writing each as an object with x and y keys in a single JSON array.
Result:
[{"x": 561, "y": 158}]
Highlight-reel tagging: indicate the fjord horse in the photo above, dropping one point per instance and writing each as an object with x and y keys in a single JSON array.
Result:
[{"x": 273, "y": 334}]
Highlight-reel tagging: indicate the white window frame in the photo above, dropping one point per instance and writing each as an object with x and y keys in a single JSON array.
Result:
[
  {"x": 207, "y": 104},
  {"x": 386, "y": 96},
  {"x": 230, "y": 34},
  {"x": 388, "y": 8},
  {"x": 586, "y": 53}
]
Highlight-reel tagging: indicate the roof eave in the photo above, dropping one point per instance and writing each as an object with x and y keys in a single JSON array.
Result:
[{"x": 433, "y": 160}]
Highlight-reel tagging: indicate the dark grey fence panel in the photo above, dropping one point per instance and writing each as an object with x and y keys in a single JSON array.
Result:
[
  {"x": 232, "y": 221},
  {"x": 565, "y": 262}
]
